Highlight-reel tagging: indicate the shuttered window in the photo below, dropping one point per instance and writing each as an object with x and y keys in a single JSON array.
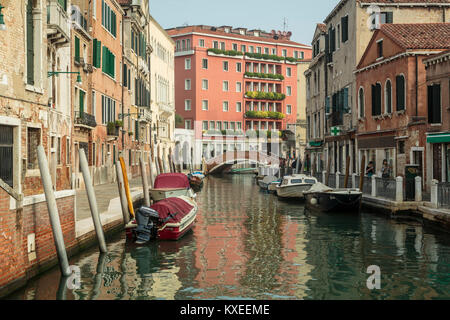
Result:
[
  {"x": 97, "y": 53},
  {"x": 376, "y": 99},
  {"x": 109, "y": 19},
  {"x": 6, "y": 154},
  {"x": 344, "y": 26},
  {"x": 400, "y": 92},
  {"x": 434, "y": 103},
  {"x": 82, "y": 94},
  {"x": 30, "y": 44},
  {"x": 77, "y": 49},
  {"x": 109, "y": 61}
]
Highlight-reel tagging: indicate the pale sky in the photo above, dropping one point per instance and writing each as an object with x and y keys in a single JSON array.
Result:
[{"x": 301, "y": 16}]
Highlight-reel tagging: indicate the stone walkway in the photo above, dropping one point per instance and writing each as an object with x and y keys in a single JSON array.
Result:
[{"x": 104, "y": 193}]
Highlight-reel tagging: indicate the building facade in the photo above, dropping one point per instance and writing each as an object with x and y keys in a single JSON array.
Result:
[
  {"x": 392, "y": 97},
  {"x": 234, "y": 80},
  {"x": 350, "y": 26},
  {"x": 438, "y": 124}
]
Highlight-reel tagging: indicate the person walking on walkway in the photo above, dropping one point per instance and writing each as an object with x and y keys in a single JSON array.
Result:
[{"x": 370, "y": 169}]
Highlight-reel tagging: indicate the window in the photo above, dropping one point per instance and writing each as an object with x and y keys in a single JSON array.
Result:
[
  {"x": 187, "y": 105},
  {"x": 400, "y": 92},
  {"x": 238, "y": 126},
  {"x": 77, "y": 49},
  {"x": 289, "y": 71},
  {"x": 205, "y": 105},
  {"x": 225, "y": 86},
  {"x": 243, "y": 48},
  {"x": 34, "y": 140},
  {"x": 201, "y": 43},
  {"x": 284, "y": 53},
  {"x": 258, "y": 49},
  {"x": 388, "y": 97},
  {"x": 109, "y": 18},
  {"x": 108, "y": 63},
  {"x": 219, "y": 125},
  {"x": 274, "y": 51},
  {"x": 251, "y": 49},
  {"x": 380, "y": 49},
  {"x": 238, "y": 107},
  {"x": 188, "y": 124},
  {"x": 205, "y": 125},
  {"x": 235, "y": 47},
  {"x": 205, "y": 84},
  {"x": 266, "y": 50},
  {"x": 238, "y": 67},
  {"x": 288, "y": 90},
  {"x": 288, "y": 109},
  {"x": 187, "y": 64},
  {"x": 376, "y": 99},
  {"x": 187, "y": 84},
  {"x": 361, "y": 102},
  {"x": 212, "y": 125},
  {"x": 225, "y": 125},
  {"x": 386, "y": 17},
  {"x": 6, "y": 154},
  {"x": 58, "y": 151},
  {"x": 215, "y": 44},
  {"x": 238, "y": 87},
  {"x": 225, "y": 106},
  {"x": 401, "y": 147},
  {"x": 225, "y": 66},
  {"x": 205, "y": 63},
  {"x": 434, "y": 103},
  {"x": 344, "y": 28},
  {"x": 108, "y": 110},
  {"x": 222, "y": 45}
]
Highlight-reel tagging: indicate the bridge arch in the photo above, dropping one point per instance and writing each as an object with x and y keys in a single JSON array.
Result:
[{"x": 227, "y": 158}]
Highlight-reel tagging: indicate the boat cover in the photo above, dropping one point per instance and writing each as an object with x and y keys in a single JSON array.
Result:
[
  {"x": 319, "y": 187},
  {"x": 269, "y": 179},
  {"x": 171, "y": 180},
  {"x": 176, "y": 206}
]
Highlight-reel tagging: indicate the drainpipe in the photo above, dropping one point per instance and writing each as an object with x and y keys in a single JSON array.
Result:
[
  {"x": 123, "y": 63},
  {"x": 417, "y": 85}
]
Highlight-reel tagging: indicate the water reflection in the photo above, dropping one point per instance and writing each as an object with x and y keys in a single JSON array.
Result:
[{"x": 248, "y": 244}]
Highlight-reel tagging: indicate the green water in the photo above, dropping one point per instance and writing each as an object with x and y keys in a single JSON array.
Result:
[{"x": 249, "y": 245}]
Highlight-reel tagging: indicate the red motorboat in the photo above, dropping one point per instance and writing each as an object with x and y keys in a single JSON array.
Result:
[
  {"x": 171, "y": 185},
  {"x": 168, "y": 218}
]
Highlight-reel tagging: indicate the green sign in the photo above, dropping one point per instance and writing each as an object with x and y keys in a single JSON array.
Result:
[{"x": 335, "y": 131}]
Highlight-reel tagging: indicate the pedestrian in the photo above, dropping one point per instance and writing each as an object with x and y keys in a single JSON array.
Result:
[
  {"x": 370, "y": 169},
  {"x": 385, "y": 170}
]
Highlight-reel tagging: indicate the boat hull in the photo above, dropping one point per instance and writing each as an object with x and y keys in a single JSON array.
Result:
[
  {"x": 292, "y": 191},
  {"x": 174, "y": 231},
  {"x": 333, "y": 202},
  {"x": 263, "y": 185}
]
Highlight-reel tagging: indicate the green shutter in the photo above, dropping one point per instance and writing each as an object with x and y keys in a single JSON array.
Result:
[
  {"x": 94, "y": 52},
  {"x": 77, "y": 49},
  {"x": 99, "y": 53},
  {"x": 81, "y": 103},
  {"x": 104, "y": 60}
]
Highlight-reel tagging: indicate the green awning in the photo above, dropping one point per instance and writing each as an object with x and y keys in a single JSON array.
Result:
[
  {"x": 315, "y": 143},
  {"x": 438, "y": 138}
]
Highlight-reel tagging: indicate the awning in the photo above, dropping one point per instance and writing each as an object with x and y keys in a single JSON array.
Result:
[{"x": 439, "y": 138}]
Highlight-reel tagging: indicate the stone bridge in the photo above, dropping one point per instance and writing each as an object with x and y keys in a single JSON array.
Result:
[{"x": 219, "y": 162}]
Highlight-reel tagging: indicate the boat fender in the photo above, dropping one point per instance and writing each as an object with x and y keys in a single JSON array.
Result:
[{"x": 313, "y": 201}]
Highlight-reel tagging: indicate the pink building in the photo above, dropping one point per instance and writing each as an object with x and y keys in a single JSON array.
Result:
[{"x": 235, "y": 79}]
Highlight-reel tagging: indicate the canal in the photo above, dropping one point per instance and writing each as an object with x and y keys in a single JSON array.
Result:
[{"x": 247, "y": 244}]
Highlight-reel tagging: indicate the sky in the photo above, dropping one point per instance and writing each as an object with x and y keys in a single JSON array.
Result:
[{"x": 301, "y": 16}]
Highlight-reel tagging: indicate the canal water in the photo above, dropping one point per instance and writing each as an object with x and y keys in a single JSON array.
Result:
[{"x": 247, "y": 244}]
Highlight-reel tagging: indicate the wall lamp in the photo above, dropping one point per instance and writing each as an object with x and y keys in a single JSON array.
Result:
[{"x": 55, "y": 73}]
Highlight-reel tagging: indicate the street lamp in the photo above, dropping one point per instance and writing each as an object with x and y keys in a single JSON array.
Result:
[
  {"x": 55, "y": 73},
  {"x": 2, "y": 20}
]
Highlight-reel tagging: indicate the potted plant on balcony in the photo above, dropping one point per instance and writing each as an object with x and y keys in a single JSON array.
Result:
[{"x": 111, "y": 129}]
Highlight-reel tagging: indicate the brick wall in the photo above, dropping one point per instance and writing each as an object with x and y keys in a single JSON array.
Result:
[{"x": 16, "y": 225}]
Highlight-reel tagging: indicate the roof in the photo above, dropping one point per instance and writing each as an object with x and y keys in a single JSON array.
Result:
[
  {"x": 207, "y": 30},
  {"x": 438, "y": 57},
  {"x": 403, "y": 1},
  {"x": 419, "y": 36}
]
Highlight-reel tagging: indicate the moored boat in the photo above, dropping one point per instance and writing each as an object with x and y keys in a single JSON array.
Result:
[
  {"x": 266, "y": 181},
  {"x": 168, "y": 219},
  {"x": 272, "y": 187},
  {"x": 171, "y": 185},
  {"x": 243, "y": 171},
  {"x": 293, "y": 186},
  {"x": 323, "y": 198}
]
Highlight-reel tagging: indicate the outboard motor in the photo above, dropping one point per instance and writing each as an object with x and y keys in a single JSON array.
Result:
[{"x": 147, "y": 220}]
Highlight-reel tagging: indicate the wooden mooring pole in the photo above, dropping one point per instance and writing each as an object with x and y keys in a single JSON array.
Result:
[
  {"x": 347, "y": 170},
  {"x": 361, "y": 176}
]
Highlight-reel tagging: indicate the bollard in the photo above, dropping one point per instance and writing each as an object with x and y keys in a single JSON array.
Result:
[
  {"x": 123, "y": 196},
  {"x": 323, "y": 176},
  {"x": 434, "y": 193},
  {"x": 144, "y": 181},
  {"x": 53, "y": 212},
  {"x": 374, "y": 186},
  {"x": 418, "y": 187},
  {"x": 92, "y": 200},
  {"x": 399, "y": 189},
  {"x": 354, "y": 180}
]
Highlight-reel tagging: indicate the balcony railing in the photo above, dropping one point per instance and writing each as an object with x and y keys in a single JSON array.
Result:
[
  {"x": 273, "y": 115},
  {"x": 85, "y": 119},
  {"x": 57, "y": 23}
]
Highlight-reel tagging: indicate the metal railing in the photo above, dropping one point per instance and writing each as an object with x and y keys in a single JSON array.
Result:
[
  {"x": 386, "y": 188},
  {"x": 367, "y": 185},
  {"x": 332, "y": 180},
  {"x": 443, "y": 195},
  {"x": 84, "y": 118}
]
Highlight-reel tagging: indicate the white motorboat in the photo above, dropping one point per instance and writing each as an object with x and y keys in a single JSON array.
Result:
[{"x": 294, "y": 185}]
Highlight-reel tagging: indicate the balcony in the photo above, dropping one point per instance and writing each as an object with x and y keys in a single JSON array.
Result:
[
  {"x": 272, "y": 115},
  {"x": 86, "y": 120},
  {"x": 262, "y": 95},
  {"x": 58, "y": 26},
  {"x": 166, "y": 109},
  {"x": 145, "y": 115}
]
